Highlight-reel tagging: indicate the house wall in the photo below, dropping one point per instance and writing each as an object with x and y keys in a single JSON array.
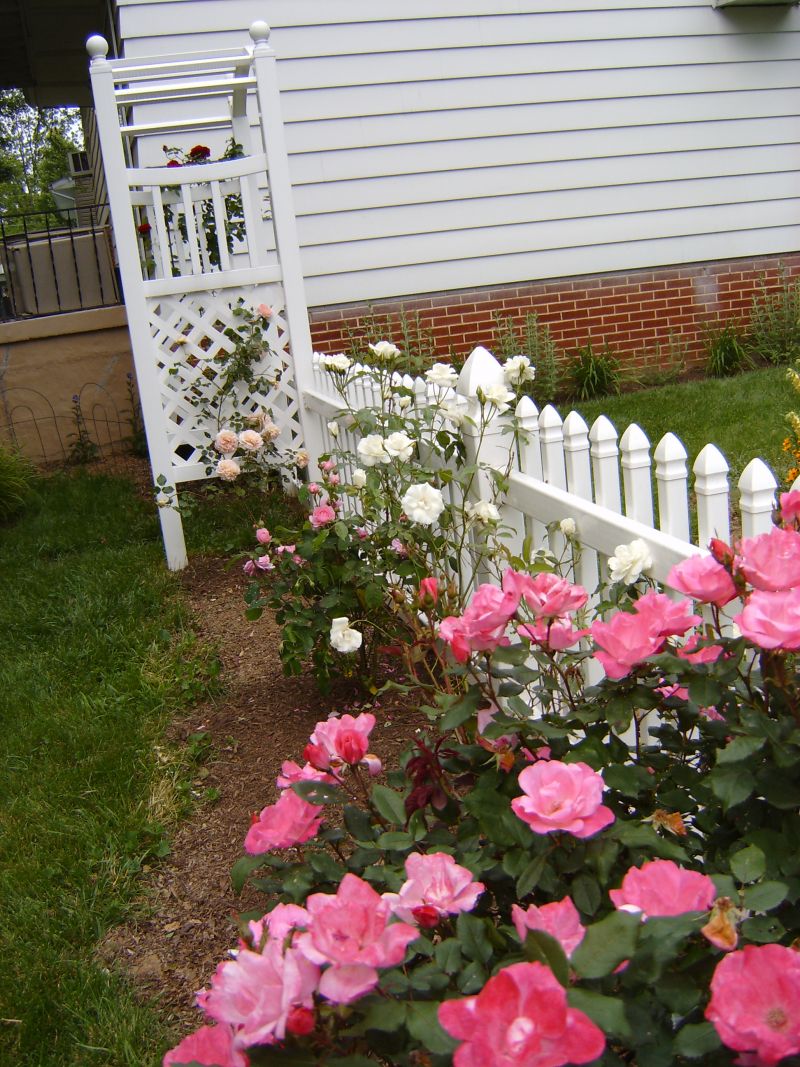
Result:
[{"x": 443, "y": 145}]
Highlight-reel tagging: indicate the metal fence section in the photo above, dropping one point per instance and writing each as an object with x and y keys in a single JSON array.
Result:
[{"x": 55, "y": 262}]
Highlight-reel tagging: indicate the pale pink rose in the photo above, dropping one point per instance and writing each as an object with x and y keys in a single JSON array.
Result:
[
  {"x": 255, "y": 992},
  {"x": 265, "y": 311},
  {"x": 226, "y": 441},
  {"x": 228, "y": 470},
  {"x": 398, "y": 546},
  {"x": 264, "y": 563},
  {"x": 293, "y": 772},
  {"x": 483, "y": 625},
  {"x": 790, "y": 508},
  {"x": 333, "y": 479},
  {"x": 559, "y": 919},
  {"x": 555, "y": 634},
  {"x": 772, "y": 620},
  {"x": 249, "y": 568},
  {"x": 546, "y": 594},
  {"x": 666, "y": 617},
  {"x": 562, "y": 796},
  {"x": 269, "y": 431},
  {"x": 285, "y": 549},
  {"x": 661, "y": 887},
  {"x": 211, "y": 1045},
  {"x": 429, "y": 590},
  {"x": 314, "y": 488},
  {"x": 755, "y": 1002},
  {"x": 703, "y": 579},
  {"x": 250, "y": 440},
  {"x": 520, "y": 1017},
  {"x": 288, "y": 822},
  {"x": 625, "y": 642},
  {"x": 328, "y": 465},
  {"x": 277, "y": 924},
  {"x": 362, "y": 532},
  {"x": 690, "y": 652},
  {"x": 301, "y": 459},
  {"x": 322, "y": 515},
  {"x": 771, "y": 561},
  {"x": 435, "y": 882},
  {"x": 351, "y": 930},
  {"x": 263, "y": 536},
  {"x": 341, "y": 740}
]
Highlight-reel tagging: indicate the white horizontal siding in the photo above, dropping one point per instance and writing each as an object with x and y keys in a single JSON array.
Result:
[{"x": 440, "y": 144}]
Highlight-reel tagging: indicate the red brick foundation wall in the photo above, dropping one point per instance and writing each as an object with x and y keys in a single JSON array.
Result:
[{"x": 633, "y": 311}]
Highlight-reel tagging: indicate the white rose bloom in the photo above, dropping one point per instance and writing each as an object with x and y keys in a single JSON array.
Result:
[
  {"x": 482, "y": 511},
  {"x": 399, "y": 445},
  {"x": 343, "y": 637},
  {"x": 423, "y": 503},
  {"x": 338, "y": 363},
  {"x": 628, "y": 562},
  {"x": 333, "y": 429},
  {"x": 385, "y": 350},
  {"x": 517, "y": 370},
  {"x": 568, "y": 527},
  {"x": 403, "y": 402},
  {"x": 442, "y": 375},
  {"x": 497, "y": 395},
  {"x": 371, "y": 450},
  {"x": 251, "y": 440},
  {"x": 452, "y": 413},
  {"x": 226, "y": 441},
  {"x": 228, "y": 470},
  {"x": 359, "y": 478}
]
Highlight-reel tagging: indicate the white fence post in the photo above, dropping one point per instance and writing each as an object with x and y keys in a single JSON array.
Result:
[
  {"x": 551, "y": 436},
  {"x": 605, "y": 463},
  {"x": 636, "y": 474},
  {"x": 713, "y": 496},
  {"x": 530, "y": 461},
  {"x": 757, "y": 486},
  {"x": 577, "y": 452},
  {"x": 672, "y": 479}
]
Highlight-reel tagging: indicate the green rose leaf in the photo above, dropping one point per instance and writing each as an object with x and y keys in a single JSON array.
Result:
[
  {"x": 749, "y": 864},
  {"x": 474, "y": 937},
  {"x": 607, "y": 1012},
  {"x": 541, "y": 947},
  {"x": 242, "y": 869},
  {"x": 697, "y": 1040},
  {"x": 318, "y": 792},
  {"x": 763, "y": 929},
  {"x": 765, "y": 895},
  {"x": 732, "y": 785},
  {"x": 389, "y": 804},
  {"x": 740, "y": 748},
  {"x": 423, "y": 1024},
  {"x": 606, "y": 944}
]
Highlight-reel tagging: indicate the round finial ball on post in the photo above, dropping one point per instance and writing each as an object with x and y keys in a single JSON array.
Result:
[
  {"x": 97, "y": 46},
  {"x": 259, "y": 32}
]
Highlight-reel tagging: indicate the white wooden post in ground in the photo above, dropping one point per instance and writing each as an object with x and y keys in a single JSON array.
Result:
[{"x": 180, "y": 301}]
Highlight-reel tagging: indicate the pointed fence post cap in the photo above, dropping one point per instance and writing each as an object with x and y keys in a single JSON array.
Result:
[
  {"x": 481, "y": 369},
  {"x": 97, "y": 46},
  {"x": 259, "y": 31}
]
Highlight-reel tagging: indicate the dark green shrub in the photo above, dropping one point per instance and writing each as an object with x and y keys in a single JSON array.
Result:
[
  {"x": 592, "y": 374},
  {"x": 726, "y": 348},
  {"x": 774, "y": 333}
]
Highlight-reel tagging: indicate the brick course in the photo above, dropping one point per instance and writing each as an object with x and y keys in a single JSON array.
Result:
[{"x": 634, "y": 311}]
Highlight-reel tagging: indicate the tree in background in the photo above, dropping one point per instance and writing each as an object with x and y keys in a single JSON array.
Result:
[{"x": 34, "y": 148}]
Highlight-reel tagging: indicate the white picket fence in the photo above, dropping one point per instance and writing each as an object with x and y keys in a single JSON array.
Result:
[{"x": 566, "y": 469}]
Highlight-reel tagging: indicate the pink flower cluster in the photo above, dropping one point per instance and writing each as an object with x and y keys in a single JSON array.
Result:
[
  {"x": 660, "y": 888},
  {"x": 344, "y": 740},
  {"x": 628, "y": 638}
]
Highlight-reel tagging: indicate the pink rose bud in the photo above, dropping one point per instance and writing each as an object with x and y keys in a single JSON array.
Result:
[
  {"x": 425, "y": 916},
  {"x": 300, "y": 1021},
  {"x": 265, "y": 311},
  {"x": 333, "y": 479},
  {"x": 362, "y": 533},
  {"x": 328, "y": 465},
  {"x": 263, "y": 536},
  {"x": 429, "y": 590},
  {"x": 314, "y": 488}
]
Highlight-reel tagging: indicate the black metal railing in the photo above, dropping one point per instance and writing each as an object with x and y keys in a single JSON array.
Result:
[{"x": 53, "y": 262}]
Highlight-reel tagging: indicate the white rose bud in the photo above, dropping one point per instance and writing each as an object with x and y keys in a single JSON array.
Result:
[
  {"x": 568, "y": 527},
  {"x": 453, "y": 413},
  {"x": 517, "y": 370},
  {"x": 442, "y": 375},
  {"x": 359, "y": 478},
  {"x": 371, "y": 450},
  {"x": 336, "y": 364},
  {"x": 399, "y": 446},
  {"x": 343, "y": 637},
  {"x": 333, "y": 429},
  {"x": 423, "y": 503},
  {"x": 482, "y": 511},
  {"x": 629, "y": 561},
  {"x": 498, "y": 396}
]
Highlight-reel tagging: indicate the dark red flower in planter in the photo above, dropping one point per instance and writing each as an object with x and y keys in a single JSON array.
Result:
[
  {"x": 144, "y": 228},
  {"x": 199, "y": 153},
  {"x": 174, "y": 163}
]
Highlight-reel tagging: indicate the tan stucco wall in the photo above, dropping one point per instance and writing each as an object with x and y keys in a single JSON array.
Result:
[{"x": 45, "y": 362}]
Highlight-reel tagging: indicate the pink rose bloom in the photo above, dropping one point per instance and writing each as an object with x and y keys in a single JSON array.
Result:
[
  {"x": 483, "y": 625},
  {"x": 328, "y": 465},
  {"x": 263, "y": 536},
  {"x": 437, "y": 882},
  {"x": 485, "y": 717},
  {"x": 690, "y": 652},
  {"x": 351, "y": 931},
  {"x": 790, "y": 508},
  {"x": 555, "y": 634},
  {"x": 251, "y": 440},
  {"x": 771, "y": 561},
  {"x": 226, "y": 442},
  {"x": 661, "y": 887},
  {"x": 755, "y": 1002},
  {"x": 212, "y": 1045},
  {"x": 314, "y": 488},
  {"x": 228, "y": 470},
  {"x": 341, "y": 740},
  {"x": 667, "y": 617},
  {"x": 255, "y": 992},
  {"x": 625, "y": 642},
  {"x": 293, "y": 772},
  {"x": 277, "y": 924},
  {"x": 521, "y": 1017},
  {"x": 333, "y": 479},
  {"x": 703, "y": 579},
  {"x": 398, "y": 546},
  {"x": 363, "y": 533},
  {"x": 249, "y": 568},
  {"x": 429, "y": 589},
  {"x": 285, "y": 549},
  {"x": 545, "y": 594},
  {"x": 772, "y": 620},
  {"x": 322, "y": 515},
  {"x": 562, "y": 796},
  {"x": 284, "y": 824},
  {"x": 559, "y": 919},
  {"x": 265, "y": 311},
  {"x": 264, "y": 563}
]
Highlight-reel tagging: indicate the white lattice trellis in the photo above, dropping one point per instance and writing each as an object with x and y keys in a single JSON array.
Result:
[{"x": 195, "y": 239}]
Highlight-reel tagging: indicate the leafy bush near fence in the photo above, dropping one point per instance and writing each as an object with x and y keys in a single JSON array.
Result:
[
  {"x": 774, "y": 329},
  {"x": 16, "y": 482},
  {"x": 527, "y": 887}
]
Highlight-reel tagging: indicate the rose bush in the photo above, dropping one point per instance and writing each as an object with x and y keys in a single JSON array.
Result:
[{"x": 526, "y": 887}]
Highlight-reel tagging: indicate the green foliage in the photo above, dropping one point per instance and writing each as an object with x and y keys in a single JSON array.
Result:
[
  {"x": 16, "y": 482},
  {"x": 415, "y": 337},
  {"x": 662, "y": 364},
  {"x": 726, "y": 348},
  {"x": 774, "y": 330},
  {"x": 592, "y": 374},
  {"x": 535, "y": 342}
]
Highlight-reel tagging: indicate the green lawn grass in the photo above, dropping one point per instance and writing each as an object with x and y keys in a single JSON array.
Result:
[
  {"x": 97, "y": 654},
  {"x": 743, "y": 416}
]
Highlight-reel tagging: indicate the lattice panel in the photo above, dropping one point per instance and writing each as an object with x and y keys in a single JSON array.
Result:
[{"x": 189, "y": 336}]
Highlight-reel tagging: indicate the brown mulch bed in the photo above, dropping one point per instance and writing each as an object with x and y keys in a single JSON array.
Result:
[{"x": 187, "y": 921}]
